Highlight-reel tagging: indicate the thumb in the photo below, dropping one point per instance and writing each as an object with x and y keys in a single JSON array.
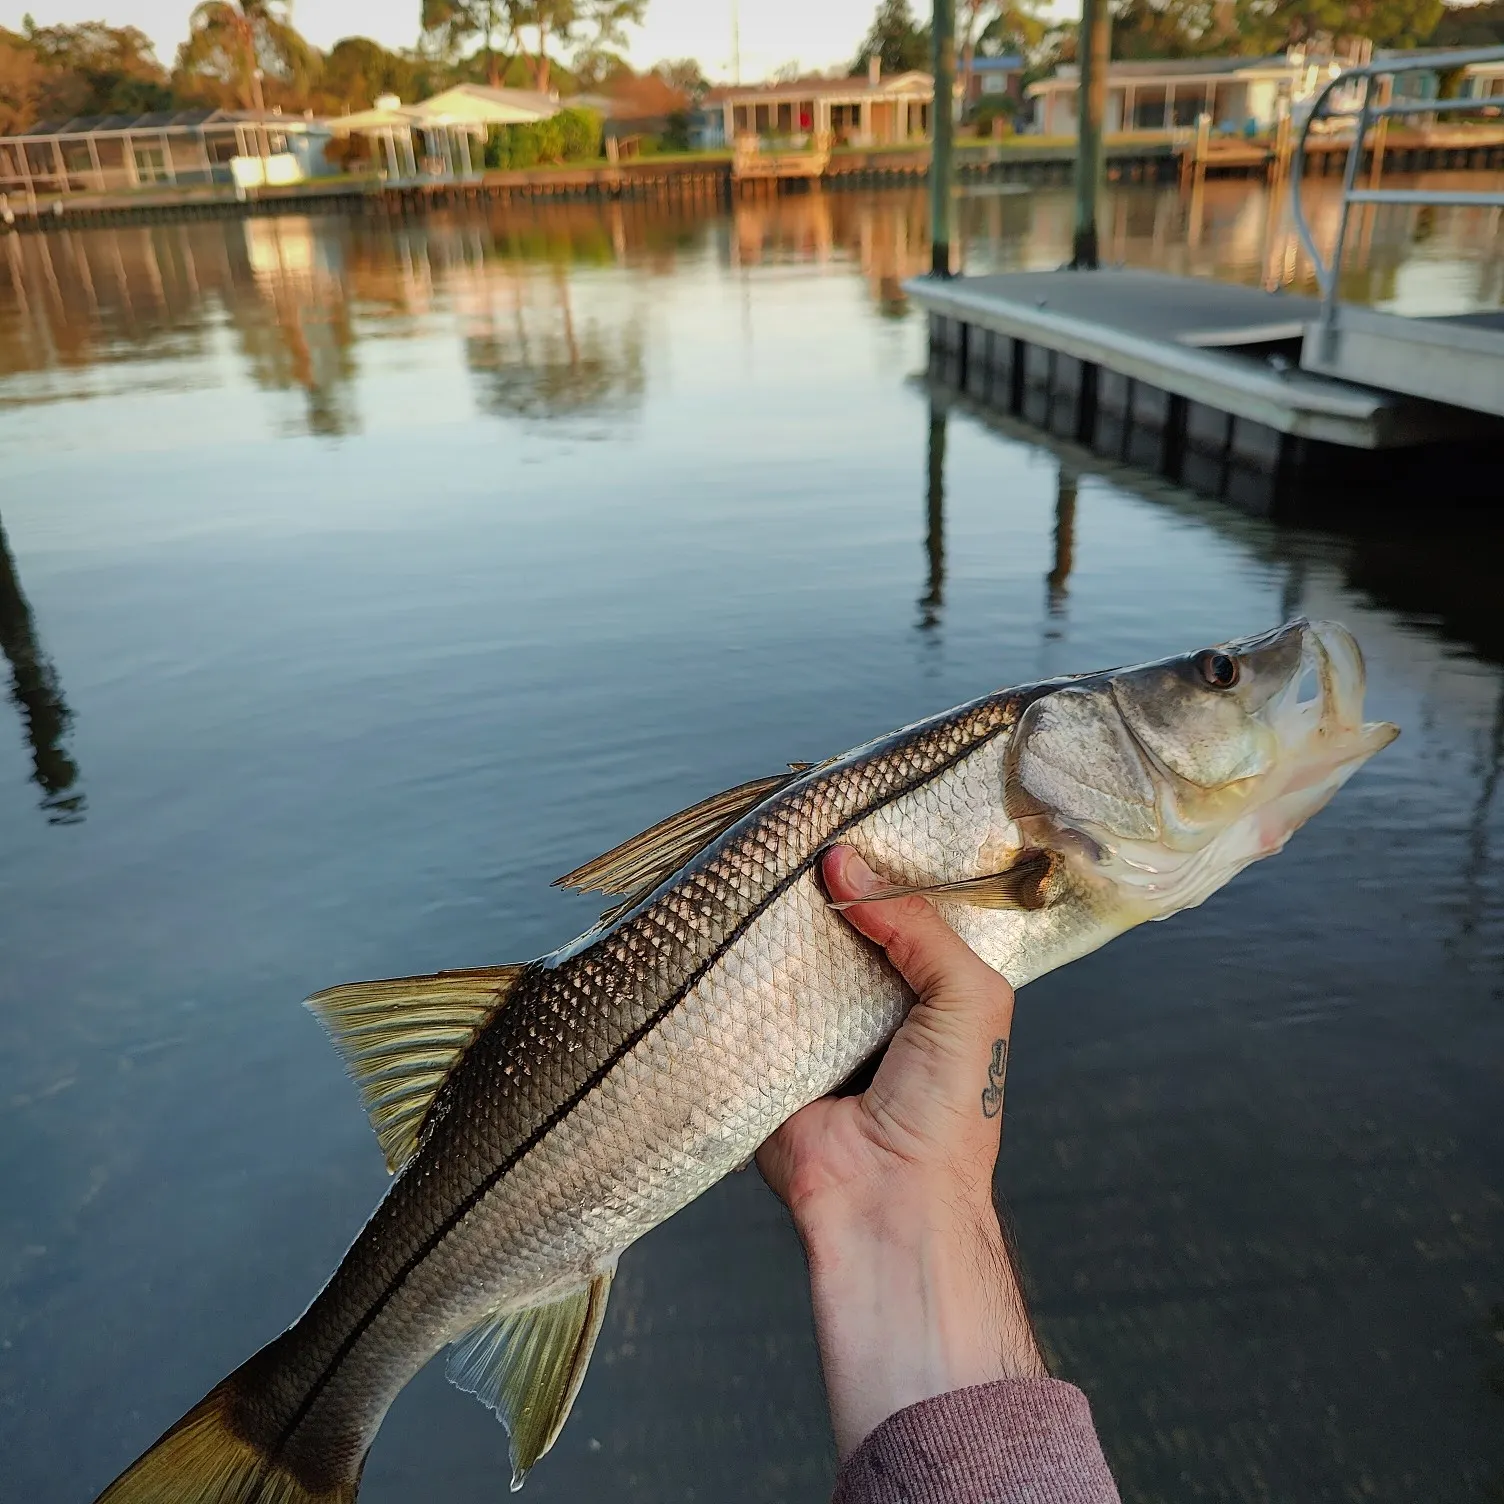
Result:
[
  {"x": 940, "y": 1084},
  {"x": 944, "y": 971}
]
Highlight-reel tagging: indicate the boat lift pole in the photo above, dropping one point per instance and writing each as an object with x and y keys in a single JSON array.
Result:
[
  {"x": 942, "y": 135},
  {"x": 1093, "y": 47}
]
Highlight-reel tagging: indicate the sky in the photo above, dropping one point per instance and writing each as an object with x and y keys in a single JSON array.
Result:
[{"x": 814, "y": 33}]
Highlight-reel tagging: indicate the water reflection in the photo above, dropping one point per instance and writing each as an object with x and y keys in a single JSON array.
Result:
[
  {"x": 37, "y": 694},
  {"x": 1057, "y": 581},
  {"x": 1409, "y": 258},
  {"x": 934, "y": 523},
  {"x": 1475, "y": 870},
  {"x": 300, "y": 297},
  {"x": 533, "y": 360}
]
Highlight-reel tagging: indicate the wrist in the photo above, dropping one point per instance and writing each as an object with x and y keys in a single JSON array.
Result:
[{"x": 913, "y": 1297}]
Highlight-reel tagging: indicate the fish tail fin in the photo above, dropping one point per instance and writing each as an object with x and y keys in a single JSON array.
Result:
[{"x": 207, "y": 1458}]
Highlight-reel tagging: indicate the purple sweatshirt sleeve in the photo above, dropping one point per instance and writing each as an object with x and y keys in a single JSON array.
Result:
[{"x": 1017, "y": 1441}]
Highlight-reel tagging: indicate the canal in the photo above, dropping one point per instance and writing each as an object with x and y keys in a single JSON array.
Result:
[{"x": 359, "y": 579}]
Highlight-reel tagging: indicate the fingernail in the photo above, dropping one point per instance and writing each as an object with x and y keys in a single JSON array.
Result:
[{"x": 856, "y": 876}]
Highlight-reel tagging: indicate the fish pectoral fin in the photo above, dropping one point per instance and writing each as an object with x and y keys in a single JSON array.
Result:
[
  {"x": 638, "y": 865},
  {"x": 400, "y": 1039},
  {"x": 1031, "y": 882},
  {"x": 528, "y": 1366}
]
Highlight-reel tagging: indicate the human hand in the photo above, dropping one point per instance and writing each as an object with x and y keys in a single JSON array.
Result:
[{"x": 891, "y": 1190}]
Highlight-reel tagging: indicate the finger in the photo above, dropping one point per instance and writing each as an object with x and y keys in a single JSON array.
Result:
[
  {"x": 941, "y": 1080},
  {"x": 930, "y": 956}
]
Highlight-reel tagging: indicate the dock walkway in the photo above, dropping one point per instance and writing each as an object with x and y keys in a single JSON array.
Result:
[{"x": 1195, "y": 379}]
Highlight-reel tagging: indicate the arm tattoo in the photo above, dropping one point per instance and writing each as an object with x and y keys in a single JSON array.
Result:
[{"x": 992, "y": 1093}]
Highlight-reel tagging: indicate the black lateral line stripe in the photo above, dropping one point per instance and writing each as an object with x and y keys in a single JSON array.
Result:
[{"x": 596, "y": 1077}]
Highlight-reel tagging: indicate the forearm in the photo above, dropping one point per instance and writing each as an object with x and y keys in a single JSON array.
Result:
[{"x": 913, "y": 1298}]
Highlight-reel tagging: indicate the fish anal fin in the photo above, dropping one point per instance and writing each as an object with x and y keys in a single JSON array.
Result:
[
  {"x": 399, "y": 1039},
  {"x": 528, "y": 1366},
  {"x": 1033, "y": 881},
  {"x": 638, "y": 865}
]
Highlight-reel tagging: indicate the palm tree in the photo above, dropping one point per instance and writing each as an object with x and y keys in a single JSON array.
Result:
[{"x": 236, "y": 42}]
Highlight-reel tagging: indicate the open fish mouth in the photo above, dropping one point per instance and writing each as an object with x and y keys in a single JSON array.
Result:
[
  {"x": 1317, "y": 718},
  {"x": 1201, "y": 764}
]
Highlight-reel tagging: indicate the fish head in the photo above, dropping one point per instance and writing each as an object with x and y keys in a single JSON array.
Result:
[{"x": 1157, "y": 784}]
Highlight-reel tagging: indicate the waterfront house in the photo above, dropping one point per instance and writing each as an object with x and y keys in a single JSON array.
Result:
[
  {"x": 98, "y": 153},
  {"x": 638, "y": 108},
  {"x": 990, "y": 79},
  {"x": 442, "y": 137},
  {"x": 1240, "y": 94},
  {"x": 870, "y": 109}
]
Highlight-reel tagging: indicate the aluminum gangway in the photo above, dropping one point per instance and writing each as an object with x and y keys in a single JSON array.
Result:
[{"x": 1456, "y": 359}]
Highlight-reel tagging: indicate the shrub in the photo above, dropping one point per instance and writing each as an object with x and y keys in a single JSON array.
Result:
[
  {"x": 989, "y": 111},
  {"x": 581, "y": 134},
  {"x": 569, "y": 136},
  {"x": 676, "y": 131}
]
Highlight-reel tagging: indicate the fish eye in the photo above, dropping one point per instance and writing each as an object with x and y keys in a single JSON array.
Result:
[{"x": 1219, "y": 670}]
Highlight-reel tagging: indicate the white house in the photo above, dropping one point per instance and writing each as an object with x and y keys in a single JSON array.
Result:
[{"x": 1240, "y": 94}]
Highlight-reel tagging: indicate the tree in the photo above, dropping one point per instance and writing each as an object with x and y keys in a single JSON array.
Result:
[
  {"x": 94, "y": 69},
  {"x": 606, "y": 22},
  {"x": 1161, "y": 28},
  {"x": 597, "y": 26},
  {"x": 22, "y": 77},
  {"x": 683, "y": 74},
  {"x": 896, "y": 39},
  {"x": 595, "y": 71},
  {"x": 358, "y": 71},
  {"x": 1471, "y": 26},
  {"x": 1267, "y": 26},
  {"x": 233, "y": 45},
  {"x": 457, "y": 23}
]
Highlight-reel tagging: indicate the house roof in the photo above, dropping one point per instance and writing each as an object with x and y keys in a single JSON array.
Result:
[
  {"x": 1068, "y": 76},
  {"x": 912, "y": 83},
  {"x": 378, "y": 118},
  {"x": 157, "y": 120},
  {"x": 478, "y": 104}
]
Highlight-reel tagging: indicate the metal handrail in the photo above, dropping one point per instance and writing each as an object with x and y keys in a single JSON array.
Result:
[{"x": 1369, "y": 111}]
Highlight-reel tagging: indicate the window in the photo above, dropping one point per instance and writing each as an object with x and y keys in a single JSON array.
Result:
[{"x": 150, "y": 168}]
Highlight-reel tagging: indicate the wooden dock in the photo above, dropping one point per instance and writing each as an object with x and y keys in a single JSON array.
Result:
[
  {"x": 1198, "y": 381},
  {"x": 752, "y": 162}
]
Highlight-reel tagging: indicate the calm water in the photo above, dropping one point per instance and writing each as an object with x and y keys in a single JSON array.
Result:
[{"x": 359, "y": 581}]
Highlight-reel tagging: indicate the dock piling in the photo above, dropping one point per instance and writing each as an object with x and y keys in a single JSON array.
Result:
[
  {"x": 942, "y": 165},
  {"x": 1092, "y": 50}
]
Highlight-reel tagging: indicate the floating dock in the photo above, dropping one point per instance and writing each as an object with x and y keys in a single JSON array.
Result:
[{"x": 1202, "y": 382}]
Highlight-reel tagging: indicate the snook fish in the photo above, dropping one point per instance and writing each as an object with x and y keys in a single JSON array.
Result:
[{"x": 540, "y": 1118}]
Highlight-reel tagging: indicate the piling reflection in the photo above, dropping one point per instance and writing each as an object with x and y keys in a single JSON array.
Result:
[
  {"x": 1480, "y": 817},
  {"x": 1057, "y": 581},
  {"x": 933, "y": 599},
  {"x": 37, "y": 694}
]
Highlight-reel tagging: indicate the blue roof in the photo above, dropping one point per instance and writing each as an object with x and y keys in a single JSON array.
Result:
[{"x": 1012, "y": 63}]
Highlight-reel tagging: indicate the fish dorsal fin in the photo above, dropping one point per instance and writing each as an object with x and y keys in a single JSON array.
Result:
[
  {"x": 400, "y": 1039},
  {"x": 638, "y": 865},
  {"x": 1033, "y": 881},
  {"x": 528, "y": 1366}
]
